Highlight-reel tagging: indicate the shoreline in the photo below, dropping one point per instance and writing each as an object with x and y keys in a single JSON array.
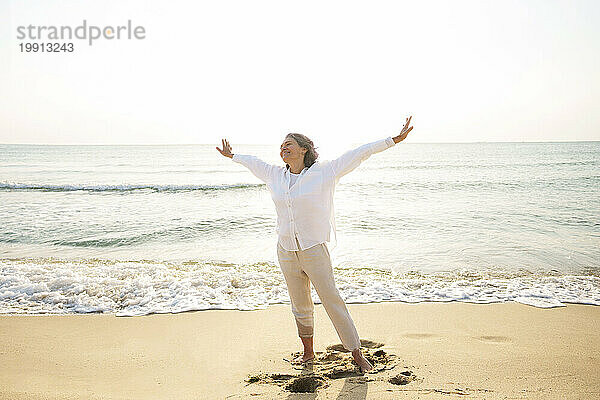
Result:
[
  {"x": 491, "y": 351},
  {"x": 115, "y": 314}
]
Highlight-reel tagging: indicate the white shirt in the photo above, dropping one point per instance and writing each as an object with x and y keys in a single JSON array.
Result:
[
  {"x": 305, "y": 208},
  {"x": 293, "y": 178}
]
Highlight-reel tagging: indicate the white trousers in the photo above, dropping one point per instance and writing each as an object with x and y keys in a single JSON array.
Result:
[{"x": 314, "y": 265}]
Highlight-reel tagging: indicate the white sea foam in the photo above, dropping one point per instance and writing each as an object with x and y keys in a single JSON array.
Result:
[{"x": 131, "y": 288}]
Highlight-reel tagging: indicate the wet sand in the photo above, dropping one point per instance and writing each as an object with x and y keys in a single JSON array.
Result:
[{"x": 424, "y": 350}]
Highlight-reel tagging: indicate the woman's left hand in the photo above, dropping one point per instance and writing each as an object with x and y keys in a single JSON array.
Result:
[{"x": 404, "y": 131}]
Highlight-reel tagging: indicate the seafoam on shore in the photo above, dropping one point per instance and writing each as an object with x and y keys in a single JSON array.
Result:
[{"x": 127, "y": 288}]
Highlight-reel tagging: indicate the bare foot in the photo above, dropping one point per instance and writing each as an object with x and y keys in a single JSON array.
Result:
[
  {"x": 305, "y": 358},
  {"x": 361, "y": 361}
]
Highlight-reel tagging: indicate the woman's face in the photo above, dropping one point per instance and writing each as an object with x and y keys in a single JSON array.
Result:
[{"x": 290, "y": 150}]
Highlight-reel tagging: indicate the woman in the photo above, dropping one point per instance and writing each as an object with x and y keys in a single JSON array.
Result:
[{"x": 303, "y": 195}]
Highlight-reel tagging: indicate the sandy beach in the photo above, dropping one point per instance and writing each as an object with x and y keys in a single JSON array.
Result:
[{"x": 443, "y": 350}]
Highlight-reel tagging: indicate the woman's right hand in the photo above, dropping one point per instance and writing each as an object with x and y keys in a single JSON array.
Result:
[{"x": 226, "y": 149}]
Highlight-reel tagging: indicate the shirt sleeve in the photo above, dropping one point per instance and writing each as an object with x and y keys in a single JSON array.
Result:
[
  {"x": 351, "y": 159},
  {"x": 258, "y": 167}
]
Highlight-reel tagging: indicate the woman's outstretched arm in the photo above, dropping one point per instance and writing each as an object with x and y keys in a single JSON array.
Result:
[
  {"x": 351, "y": 159},
  {"x": 258, "y": 167}
]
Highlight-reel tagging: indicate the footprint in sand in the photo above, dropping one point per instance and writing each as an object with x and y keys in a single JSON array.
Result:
[
  {"x": 422, "y": 335},
  {"x": 306, "y": 384},
  {"x": 493, "y": 339},
  {"x": 403, "y": 378}
]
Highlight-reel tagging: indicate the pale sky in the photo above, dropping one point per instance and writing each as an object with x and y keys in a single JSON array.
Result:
[{"x": 252, "y": 71}]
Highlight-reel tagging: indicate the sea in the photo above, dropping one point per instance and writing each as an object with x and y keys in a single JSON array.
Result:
[{"x": 134, "y": 230}]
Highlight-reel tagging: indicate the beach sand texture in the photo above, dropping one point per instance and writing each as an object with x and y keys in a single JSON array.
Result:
[{"x": 421, "y": 351}]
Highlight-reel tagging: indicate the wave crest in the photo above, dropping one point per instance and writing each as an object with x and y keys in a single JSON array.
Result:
[{"x": 124, "y": 187}]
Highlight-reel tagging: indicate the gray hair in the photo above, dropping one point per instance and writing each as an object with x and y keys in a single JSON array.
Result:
[{"x": 311, "y": 155}]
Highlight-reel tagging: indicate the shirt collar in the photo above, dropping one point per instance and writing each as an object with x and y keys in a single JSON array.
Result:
[{"x": 288, "y": 170}]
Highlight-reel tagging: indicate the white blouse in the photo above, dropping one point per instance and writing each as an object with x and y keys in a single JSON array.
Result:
[
  {"x": 305, "y": 208},
  {"x": 293, "y": 178}
]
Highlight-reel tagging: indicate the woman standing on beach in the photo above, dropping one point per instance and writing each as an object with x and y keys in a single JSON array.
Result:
[{"x": 303, "y": 195}]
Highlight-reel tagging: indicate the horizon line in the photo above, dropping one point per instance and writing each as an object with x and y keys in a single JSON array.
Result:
[{"x": 266, "y": 144}]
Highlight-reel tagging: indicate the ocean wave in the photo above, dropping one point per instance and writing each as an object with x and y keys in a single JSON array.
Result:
[
  {"x": 171, "y": 234},
  {"x": 141, "y": 287},
  {"x": 476, "y": 166},
  {"x": 124, "y": 187},
  {"x": 577, "y": 183}
]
